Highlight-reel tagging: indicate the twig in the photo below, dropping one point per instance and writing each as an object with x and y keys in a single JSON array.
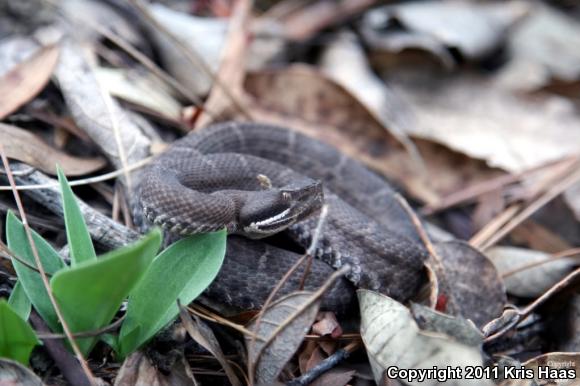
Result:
[
  {"x": 327, "y": 364},
  {"x": 42, "y": 272},
  {"x": 203, "y": 313},
  {"x": 434, "y": 258},
  {"x": 86, "y": 181},
  {"x": 149, "y": 64},
  {"x": 313, "y": 243},
  {"x": 494, "y": 225},
  {"x": 85, "y": 334},
  {"x": 7, "y": 254},
  {"x": 522, "y": 314},
  {"x": 108, "y": 100},
  {"x": 556, "y": 256},
  {"x": 62, "y": 357},
  {"x": 535, "y": 205},
  {"x": 470, "y": 193}
]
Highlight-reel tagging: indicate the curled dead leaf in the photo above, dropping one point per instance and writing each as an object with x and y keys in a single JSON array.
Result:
[
  {"x": 560, "y": 368},
  {"x": 24, "y": 146},
  {"x": 26, "y": 79},
  {"x": 522, "y": 274},
  {"x": 139, "y": 370},
  {"x": 388, "y": 329},
  {"x": 281, "y": 330},
  {"x": 202, "y": 334},
  {"x": 14, "y": 373},
  {"x": 474, "y": 286}
]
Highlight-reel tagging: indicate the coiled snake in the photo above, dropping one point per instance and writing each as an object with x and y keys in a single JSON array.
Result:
[{"x": 209, "y": 180}]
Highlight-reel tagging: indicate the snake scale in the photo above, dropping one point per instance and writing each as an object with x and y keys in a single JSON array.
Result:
[{"x": 209, "y": 180}]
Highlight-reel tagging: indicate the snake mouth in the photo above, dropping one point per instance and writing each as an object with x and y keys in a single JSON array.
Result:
[{"x": 277, "y": 209}]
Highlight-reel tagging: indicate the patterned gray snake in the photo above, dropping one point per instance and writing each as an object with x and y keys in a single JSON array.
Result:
[{"x": 214, "y": 178}]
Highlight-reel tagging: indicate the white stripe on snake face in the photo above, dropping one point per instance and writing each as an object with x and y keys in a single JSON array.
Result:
[{"x": 271, "y": 219}]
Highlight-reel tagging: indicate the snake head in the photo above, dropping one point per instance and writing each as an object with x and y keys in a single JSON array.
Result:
[{"x": 267, "y": 212}]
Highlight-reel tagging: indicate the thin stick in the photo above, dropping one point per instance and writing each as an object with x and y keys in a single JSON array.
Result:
[
  {"x": 150, "y": 65},
  {"x": 434, "y": 258},
  {"x": 533, "y": 207},
  {"x": 42, "y": 272},
  {"x": 556, "y": 256},
  {"x": 470, "y": 193},
  {"x": 108, "y": 99},
  {"x": 7, "y": 254},
  {"x": 494, "y": 225},
  {"x": 203, "y": 313},
  {"x": 315, "y": 238},
  {"x": 327, "y": 364},
  {"x": 85, "y": 181},
  {"x": 85, "y": 334},
  {"x": 525, "y": 312}
]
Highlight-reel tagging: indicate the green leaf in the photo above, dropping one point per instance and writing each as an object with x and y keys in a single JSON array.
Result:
[
  {"x": 19, "y": 301},
  {"x": 79, "y": 239},
  {"x": 90, "y": 293},
  {"x": 110, "y": 340},
  {"x": 17, "y": 338},
  {"x": 29, "y": 278},
  {"x": 181, "y": 272}
]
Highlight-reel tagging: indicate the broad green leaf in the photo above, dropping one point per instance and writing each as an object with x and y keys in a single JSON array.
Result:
[
  {"x": 181, "y": 272},
  {"x": 29, "y": 278},
  {"x": 17, "y": 339},
  {"x": 19, "y": 301},
  {"x": 79, "y": 239},
  {"x": 90, "y": 293},
  {"x": 110, "y": 340}
]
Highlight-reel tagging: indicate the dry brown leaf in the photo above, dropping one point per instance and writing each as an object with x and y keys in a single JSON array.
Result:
[
  {"x": 205, "y": 36},
  {"x": 24, "y": 146},
  {"x": 533, "y": 281},
  {"x": 16, "y": 49},
  {"x": 281, "y": 330},
  {"x": 304, "y": 99},
  {"x": 473, "y": 29},
  {"x": 26, "y": 80},
  {"x": 475, "y": 289},
  {"x": 140, "y": 89},
  {"x": 204, "y": 336},
  {"x": 14, "y": 373},
  {"x": 430, "y": 320},
  {"x": 539, "y": 237},
  {"x": 503, "y": 129},
  {"x": 345, "y": 61},
  {"x": 543, "y": 49},
  {"x": 305, "y": 92},
  {"x": 567, "y": 333},
  {"x": 327, "y": 324},
  {"x": 305, "y": 354},
  {"x": 562, "y": 368},
  {"x": 138, "y": 370},
  {"x": 231, "y": 71},
  {"x": 95, "y": 111},
  {"x": 315, "y": 358},
  {"x": 392, "y": 338},
  {"x": 303, "y": 23}
]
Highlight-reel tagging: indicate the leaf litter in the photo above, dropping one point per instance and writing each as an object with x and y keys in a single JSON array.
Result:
[{"x": 469, "y": 108}]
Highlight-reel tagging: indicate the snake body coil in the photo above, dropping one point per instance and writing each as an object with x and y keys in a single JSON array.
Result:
[{"x": 209, "y": 180}]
